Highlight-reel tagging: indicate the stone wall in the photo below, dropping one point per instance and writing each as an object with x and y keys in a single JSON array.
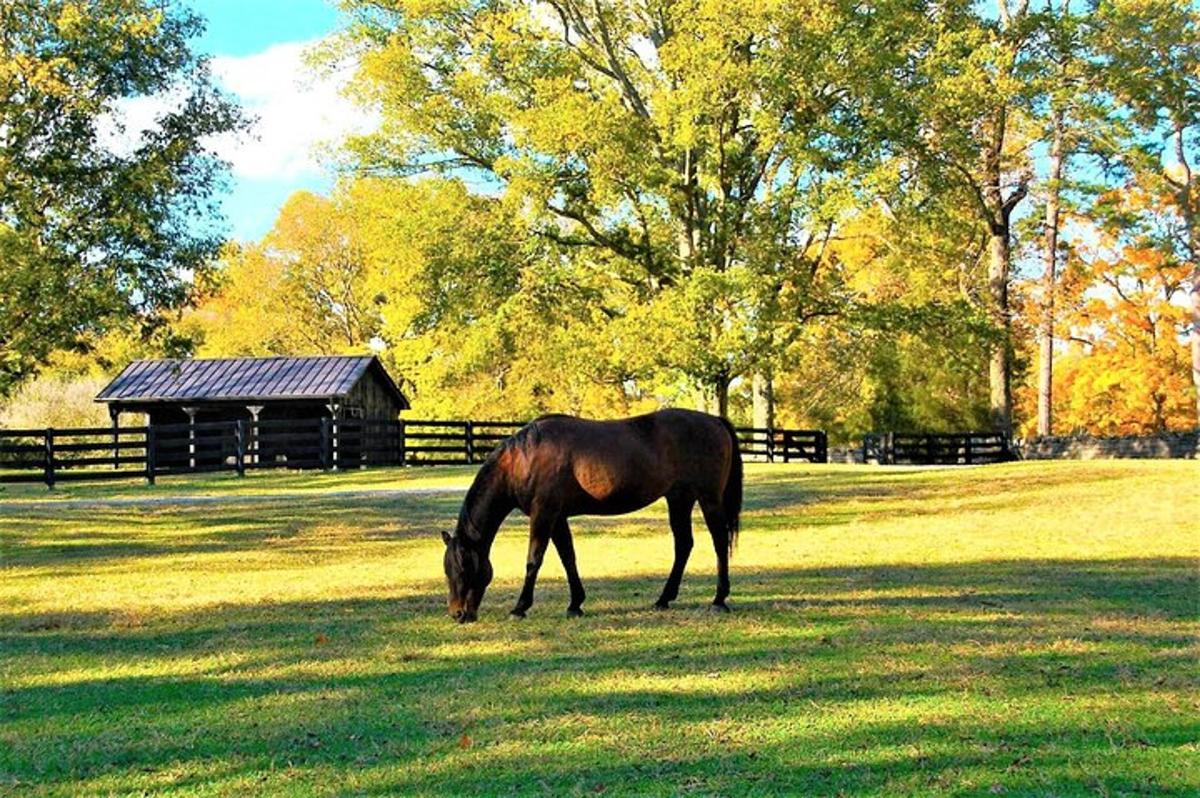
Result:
[
  {"x": 1167, "y": 445},
  {"x": 1177, "y": 445}
]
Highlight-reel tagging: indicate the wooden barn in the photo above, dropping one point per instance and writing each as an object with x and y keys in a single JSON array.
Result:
[{"x": 264, "y": 391}]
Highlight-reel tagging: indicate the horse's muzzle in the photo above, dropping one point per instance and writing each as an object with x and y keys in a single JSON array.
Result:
[{"x": 465, "y": 616}]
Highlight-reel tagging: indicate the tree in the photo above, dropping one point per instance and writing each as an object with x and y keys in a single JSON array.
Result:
[
  {"x": 971, "y": 99},
  {"x": 1151, "y": 52},
  {"x": 669, "y": 135},
  {"x": 99, "y": 225}
]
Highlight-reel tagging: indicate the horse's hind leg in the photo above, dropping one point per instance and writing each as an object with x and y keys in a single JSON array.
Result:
[
  {"x": 540, "y": 530},
  {"x": 679, "y": 508},
  {"x": 566, "y": 552},
  {"x": 714, "y": 518}
]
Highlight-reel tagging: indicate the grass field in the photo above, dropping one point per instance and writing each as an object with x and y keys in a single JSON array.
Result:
[{"x": 1028, "y": 629}]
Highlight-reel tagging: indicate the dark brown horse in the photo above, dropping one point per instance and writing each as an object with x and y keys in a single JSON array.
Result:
[{"x": 561, "y": 466}]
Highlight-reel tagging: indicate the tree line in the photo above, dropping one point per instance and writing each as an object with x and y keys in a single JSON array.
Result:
[{"x": 897, "y": 215}]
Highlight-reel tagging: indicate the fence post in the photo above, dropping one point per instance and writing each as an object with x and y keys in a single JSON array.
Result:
[
  {"x": 151, "y": 453},
  {"x": 403, "y": 443},
  {"x": 49, "y": 454},
  {"x": 787, "y": 446},
  {"x": 967, "y": 450},
  {"x": 239, "y": 442},
  {"x": 770, "y": 444},
  {"x": 326, "y": 440},
  {"x": 822, "y": 447},
  {"x": 470, "y": 440}
]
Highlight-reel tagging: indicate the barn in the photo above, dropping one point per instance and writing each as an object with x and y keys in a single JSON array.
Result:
[{"x": 264, "y": 391}]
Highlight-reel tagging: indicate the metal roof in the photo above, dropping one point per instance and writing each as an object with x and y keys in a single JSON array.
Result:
[{"x": 244, "y": 379}]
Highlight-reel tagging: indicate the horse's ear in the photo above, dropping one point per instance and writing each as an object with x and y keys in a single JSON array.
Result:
[{"x": 447, "y": 538}]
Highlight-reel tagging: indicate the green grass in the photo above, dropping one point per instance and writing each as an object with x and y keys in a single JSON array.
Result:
[
  {"x": 255, "y": 483},
  {"x": 1028, "y": 629}
]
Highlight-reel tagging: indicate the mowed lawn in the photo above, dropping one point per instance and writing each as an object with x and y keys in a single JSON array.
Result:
[{"x": 1028, "y": 629}]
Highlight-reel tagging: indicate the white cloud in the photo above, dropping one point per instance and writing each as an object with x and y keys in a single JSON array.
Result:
[
  {"x": 297, "y": 110},
  {"x": 297, "y": 113}
]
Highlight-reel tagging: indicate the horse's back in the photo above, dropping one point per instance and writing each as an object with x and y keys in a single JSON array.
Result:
[{"x": 612, "y": 467}]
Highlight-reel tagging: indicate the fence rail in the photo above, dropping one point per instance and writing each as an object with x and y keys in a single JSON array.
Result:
[
  {"x": 959, "y": 448},
  {"x": 60, "y": 455}
]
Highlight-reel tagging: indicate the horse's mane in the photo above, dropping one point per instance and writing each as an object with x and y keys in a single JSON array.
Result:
[
  {"x": 479, "y": 486},
  {"x": 528, "y": 435}
]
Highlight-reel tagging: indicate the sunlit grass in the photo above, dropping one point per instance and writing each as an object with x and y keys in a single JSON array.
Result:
[{"x": 1028, "y": 629}]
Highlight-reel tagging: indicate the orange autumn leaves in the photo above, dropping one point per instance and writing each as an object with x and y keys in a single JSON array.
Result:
[{"x": 1123, "y": 317}]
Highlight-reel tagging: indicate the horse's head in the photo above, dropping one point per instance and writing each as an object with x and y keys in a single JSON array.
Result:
[{"x": 468, "y": 573}]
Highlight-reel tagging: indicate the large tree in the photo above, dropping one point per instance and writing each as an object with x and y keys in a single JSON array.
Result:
[
  {"x": 676, "y": 136},
  {"x": 1150, "y": 50},
  {"x": 973, "y": 97},
  {"x": 100, "y": 224}
]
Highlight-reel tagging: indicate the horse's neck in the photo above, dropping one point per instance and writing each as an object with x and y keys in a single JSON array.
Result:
[{"x": 487, "y": 504}]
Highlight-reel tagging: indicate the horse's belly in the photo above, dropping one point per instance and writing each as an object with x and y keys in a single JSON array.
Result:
[{"x": 608, "y": 492}]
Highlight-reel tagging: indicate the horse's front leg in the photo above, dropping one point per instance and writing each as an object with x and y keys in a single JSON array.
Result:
[{"x": 541, "y": 528}]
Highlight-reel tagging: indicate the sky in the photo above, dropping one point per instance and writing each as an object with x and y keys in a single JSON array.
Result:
[{"x": 257, "y": 52}]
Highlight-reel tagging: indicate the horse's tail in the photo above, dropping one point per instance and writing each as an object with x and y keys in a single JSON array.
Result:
[{"x": 731, "y": 498}]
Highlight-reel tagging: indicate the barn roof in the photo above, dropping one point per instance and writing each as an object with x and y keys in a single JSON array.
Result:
[{"x": 244, "y": 379}]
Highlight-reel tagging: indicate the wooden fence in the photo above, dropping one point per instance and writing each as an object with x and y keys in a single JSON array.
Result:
[
  {"x": 53, "y": 455},
  {"x": 960, "y": 448}
]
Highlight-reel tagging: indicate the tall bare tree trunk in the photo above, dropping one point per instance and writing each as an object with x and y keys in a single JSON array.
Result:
[
  {"x": 1049, "y": 279},
  {"x": 1187, "y": 208},
  {"x": 1195, "y": 338},
  {"x": 721, "y": 396},
  {"x": 1000, "y": 367},
  {"x": 763, "y": 392}
]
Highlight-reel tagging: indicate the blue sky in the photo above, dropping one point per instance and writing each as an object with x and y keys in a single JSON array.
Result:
[{"x": 257, "y": 49}]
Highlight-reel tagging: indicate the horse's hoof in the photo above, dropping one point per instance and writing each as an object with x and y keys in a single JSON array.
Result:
[
  {"x": 574, "y": 612},
  {"x": 719, "y": 607},
  {"x": 517, "y": 614},
  {"x": 662, "y": 605}
]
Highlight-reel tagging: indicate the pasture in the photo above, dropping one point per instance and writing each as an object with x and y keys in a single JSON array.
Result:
[{"x": 1026, "y": 629}]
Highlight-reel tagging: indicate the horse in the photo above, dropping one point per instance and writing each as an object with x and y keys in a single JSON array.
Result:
[{"x": 559, "y": 466}]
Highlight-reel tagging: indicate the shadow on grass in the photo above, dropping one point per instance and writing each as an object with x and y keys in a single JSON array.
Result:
[{"x": 1043, "y": 677}]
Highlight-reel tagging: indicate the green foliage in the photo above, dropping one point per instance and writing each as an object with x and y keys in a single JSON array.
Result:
[
  {"x": 681, "y": 142},
  {"x": 99, "y": 225}
]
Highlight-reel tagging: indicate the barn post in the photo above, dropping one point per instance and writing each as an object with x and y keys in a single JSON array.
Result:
[
  {"x": 325, "y": 445},
  {"x": 151, "y": 452},
  {"x": 239, "y": 439},
  {"x": 333, "y": 407},
  {"x": 254, "y": 410},
  {"x": 191, "y": 414}
]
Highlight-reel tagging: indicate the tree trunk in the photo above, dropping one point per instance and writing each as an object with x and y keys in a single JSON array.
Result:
[
  {"x": 721, "y": 396},
  {"x": 1046, "y": 362},
  {"x": 999, "y": 367},
  {"x": 1195, "y": 337},
  {"x": 763, "y": 389},
  {"x": 1188, "y": 210}
]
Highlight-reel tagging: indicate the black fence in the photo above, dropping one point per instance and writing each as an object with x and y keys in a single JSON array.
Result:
[
  {"x": 960, "y": 448},
  {"x": 52, "y": 456}
]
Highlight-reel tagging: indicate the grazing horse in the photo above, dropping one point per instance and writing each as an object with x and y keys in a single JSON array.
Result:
[{"x": 560, "y": 466}]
